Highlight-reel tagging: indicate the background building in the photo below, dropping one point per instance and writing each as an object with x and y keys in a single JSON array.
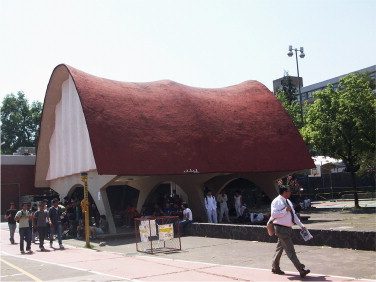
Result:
[
  {"x": 17, "y": 178},
  {"x": 277, "y": 84},
  {"x": 307, "y": 91}
]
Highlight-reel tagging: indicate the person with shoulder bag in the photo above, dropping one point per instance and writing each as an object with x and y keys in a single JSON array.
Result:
[
  {"x": 284, "y": 217},
  {"x": 22, "y": 217}
]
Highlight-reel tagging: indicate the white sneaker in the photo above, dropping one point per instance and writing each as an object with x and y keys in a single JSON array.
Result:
[{"x": 61, "y": 246}]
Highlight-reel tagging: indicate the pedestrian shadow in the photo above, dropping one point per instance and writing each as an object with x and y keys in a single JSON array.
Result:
[
  {"x": 58, "y": 249},
  {"x": 29, "y": 253},
  {"x": 310, "y": 277}
]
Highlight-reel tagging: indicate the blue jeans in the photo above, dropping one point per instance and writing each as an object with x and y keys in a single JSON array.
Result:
[
  {"x": 58, "y": 230},
  {"x": 182, "y": 224},
  {"x": 25, "y": 234},
  {"x": 12, "y": 229}
]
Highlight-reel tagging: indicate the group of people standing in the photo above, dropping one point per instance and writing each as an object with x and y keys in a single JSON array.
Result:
[
  {"x": 217, "y": 208},
  {"x": 43, "y": 222}
]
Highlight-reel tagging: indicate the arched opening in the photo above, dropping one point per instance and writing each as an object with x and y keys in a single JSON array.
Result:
[
  {"x": 74, "y": 198},
  {"x": 165, "y": 199},
  {"x": 119, "y": 198},
  {"x": 252, "y": 195}
]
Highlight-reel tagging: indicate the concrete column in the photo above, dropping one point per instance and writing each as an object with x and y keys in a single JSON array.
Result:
[
  {"x": 95, "y": 184},
  {"x": 192, "y": 185},
  {"x": 97, "y": 187}
]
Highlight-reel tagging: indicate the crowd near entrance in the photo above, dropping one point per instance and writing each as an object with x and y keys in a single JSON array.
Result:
[{"x": 164, "y": 200}]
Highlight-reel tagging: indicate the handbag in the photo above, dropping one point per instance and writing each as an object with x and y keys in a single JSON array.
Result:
[{"x": 270, "y": 227}]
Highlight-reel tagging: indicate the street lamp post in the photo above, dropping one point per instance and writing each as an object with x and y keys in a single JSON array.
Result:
[{"x": 302, "y": 55}]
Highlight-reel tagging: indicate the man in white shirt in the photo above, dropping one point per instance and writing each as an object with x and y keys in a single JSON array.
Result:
[
  {"x": 283, "y": 212},
  {"x": 223, "y": 208},
  {"x": 22, "y": 217},
  {"x": 211, "y": 207}
]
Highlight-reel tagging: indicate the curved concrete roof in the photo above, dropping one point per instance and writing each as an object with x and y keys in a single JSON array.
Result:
[{"x": 164, "y": 127}]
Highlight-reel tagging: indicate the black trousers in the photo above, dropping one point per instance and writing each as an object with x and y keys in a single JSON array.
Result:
[{"x": 42, "y": 231}]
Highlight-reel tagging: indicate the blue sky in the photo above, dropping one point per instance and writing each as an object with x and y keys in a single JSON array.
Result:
[{"x": 200, "y": 43}]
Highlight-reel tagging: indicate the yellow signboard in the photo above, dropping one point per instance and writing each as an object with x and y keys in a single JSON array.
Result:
[{"x": 166, "y": 232}]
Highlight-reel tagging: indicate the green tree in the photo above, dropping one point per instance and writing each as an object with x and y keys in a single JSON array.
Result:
[
  {"x": 292, "y": 108},
  {"x": 289, "y": 89},
  {"x": 341, "y": 123},
  {"x": 19, "y": 122}
]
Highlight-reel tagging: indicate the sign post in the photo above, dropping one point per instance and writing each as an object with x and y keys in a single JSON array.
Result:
[{"x": 85, "y": 208}]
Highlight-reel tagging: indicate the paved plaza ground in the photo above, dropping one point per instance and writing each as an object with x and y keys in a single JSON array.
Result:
[
  {"x": 339, "y": 215},
  {"x": 201, "y": 258}
]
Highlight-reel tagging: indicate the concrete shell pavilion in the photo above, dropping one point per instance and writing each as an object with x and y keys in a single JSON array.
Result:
[{"x": 145, "y": 134}]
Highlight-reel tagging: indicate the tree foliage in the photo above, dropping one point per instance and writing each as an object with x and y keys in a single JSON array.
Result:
[
  {"x": 341, "y": 123},
  {"x": 289, "y": 89},
  {"x": 292, "y": 108},
  {"x": 19, "y": 122}
]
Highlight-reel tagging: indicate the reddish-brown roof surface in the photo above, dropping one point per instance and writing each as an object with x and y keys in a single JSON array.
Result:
[{"x": 164, "y": 127}]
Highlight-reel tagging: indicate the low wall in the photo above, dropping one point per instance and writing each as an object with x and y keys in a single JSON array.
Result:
[{"x": 337, "y": 239}]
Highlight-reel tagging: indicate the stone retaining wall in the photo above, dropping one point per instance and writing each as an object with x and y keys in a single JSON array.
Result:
[{"x": 338, "y": 239}]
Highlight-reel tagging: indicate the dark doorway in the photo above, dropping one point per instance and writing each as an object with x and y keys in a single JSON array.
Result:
[
  {"x": 119, "y": 197},
  {"x": 159, "y": 195}
]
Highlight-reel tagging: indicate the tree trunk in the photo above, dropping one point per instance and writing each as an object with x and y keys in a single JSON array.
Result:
[{"x": 353, "y": 180}]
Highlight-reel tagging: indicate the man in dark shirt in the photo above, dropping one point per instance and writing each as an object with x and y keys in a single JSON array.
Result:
[
  {"x": 9, "y": 215},
  {"x": 55, "y": 214},
  {"x": 40, "y": 219}
]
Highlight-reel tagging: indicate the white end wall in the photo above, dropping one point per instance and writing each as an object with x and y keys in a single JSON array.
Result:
[{"x": 70, "y": 147}]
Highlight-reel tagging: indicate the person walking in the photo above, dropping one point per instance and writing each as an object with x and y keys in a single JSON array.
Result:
[
  {"x": 223, "y": 208},
  {"x": 9, "y": 215},
  {"x": 211, "y": 207},
  {"x": 23, "y": 216},
  {"x": 40, "y": 220},
  {"x": 284, "y": 217},
  {"x": 55, "y": 214}
]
